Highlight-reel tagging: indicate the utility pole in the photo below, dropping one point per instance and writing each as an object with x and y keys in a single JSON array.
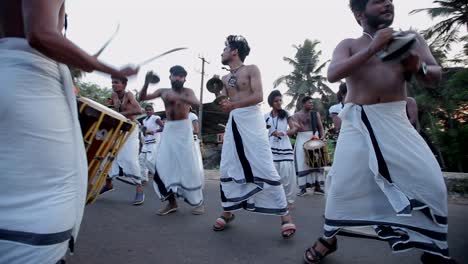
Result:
[{"x": 200, "y": 110}]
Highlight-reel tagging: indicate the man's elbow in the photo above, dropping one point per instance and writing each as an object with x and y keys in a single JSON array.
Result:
[{"x": 332, "y": 76}]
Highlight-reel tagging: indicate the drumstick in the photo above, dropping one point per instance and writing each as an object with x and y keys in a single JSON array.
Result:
[
  {"x": 108, "y": 41},
  {"x": 159, "y": 56}
]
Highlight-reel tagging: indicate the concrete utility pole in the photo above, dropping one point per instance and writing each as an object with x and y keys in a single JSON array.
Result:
[{"x": 200, "y": 110}]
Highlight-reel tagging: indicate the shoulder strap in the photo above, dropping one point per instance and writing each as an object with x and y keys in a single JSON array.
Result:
[{"x": 313, "y": 121}]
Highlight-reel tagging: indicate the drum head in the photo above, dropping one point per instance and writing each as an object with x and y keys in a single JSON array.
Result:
[
  {"x": 314, "y": 144},
  {"x": 102, "y": 108},
  {"x": 401, "y": 44}
]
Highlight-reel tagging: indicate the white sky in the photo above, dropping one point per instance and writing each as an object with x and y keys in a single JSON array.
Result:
[{"x": 149, "y": 27}]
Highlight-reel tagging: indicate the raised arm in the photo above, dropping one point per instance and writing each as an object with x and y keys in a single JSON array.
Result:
[
  {"x": 42, "y": 25},
  {"x": 133, "y": 107},
  {"x": 344, "y": 63},
  {"x": 144, "y": 90},
  {"x": 419, "y": 56}
]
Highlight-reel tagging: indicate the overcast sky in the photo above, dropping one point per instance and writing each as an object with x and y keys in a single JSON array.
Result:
[{"x": 149, "y": 27}]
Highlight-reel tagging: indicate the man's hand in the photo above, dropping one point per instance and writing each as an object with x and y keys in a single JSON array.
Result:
[
  {"x": 277, "y": 134},
  {"x": 381, "y": 38},
  {"x": 128, "y": 71},
  {"x": 412, "y": 63},
  {"x": 227, "y": 106},
  {"x": 148, "y": 77}
]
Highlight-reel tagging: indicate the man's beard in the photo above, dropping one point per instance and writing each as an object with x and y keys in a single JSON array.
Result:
[
  {"x": 377, "y": 22},
  {"x": 225, "y": 61},
  {"x": 177, "y": 85}
]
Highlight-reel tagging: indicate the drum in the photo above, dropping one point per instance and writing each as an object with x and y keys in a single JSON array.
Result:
[
  {"x": 104, "y": 133},
  {"x": 398, "y": 48},
  {"x": 316, "y": 153}
]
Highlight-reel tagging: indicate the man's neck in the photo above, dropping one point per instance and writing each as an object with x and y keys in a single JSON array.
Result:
[
  {"x": 121, "y": 94},
  {"x": 177, "y": 90},
  {"x": 235, "y": 65},
  {"x": 370, "y": 30},
  {"x": 306, "y": 111}
]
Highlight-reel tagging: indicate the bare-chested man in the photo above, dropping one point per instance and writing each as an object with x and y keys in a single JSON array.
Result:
[
  {"x": 309, "y": 127},
  {"x": 335, "y": 110},
  {"x": 42, "y": 155},
  {"x": 125, "y": 103},
  {"x": 178, "y": 172},
  {"x": 249, "y": 179},
  {"x": 384, "y": 177}
]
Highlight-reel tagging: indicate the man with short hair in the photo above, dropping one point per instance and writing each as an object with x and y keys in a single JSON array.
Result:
[
  {"x": 310, "y": 127},
  {"x": 125, "y": 103},
  {"x": 384, "y": 176},
  {"x": 152, "y": 128},
  {"x": 249, "y": 179},
  {"x": 335, "y": 110},
  {"x": 177, "y": 172}
]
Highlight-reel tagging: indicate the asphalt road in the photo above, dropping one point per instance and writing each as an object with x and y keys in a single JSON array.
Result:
[{"x": 114, "y": 231}]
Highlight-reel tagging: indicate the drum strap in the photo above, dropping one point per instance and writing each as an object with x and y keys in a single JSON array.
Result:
[{"x": 313, "y": 121}]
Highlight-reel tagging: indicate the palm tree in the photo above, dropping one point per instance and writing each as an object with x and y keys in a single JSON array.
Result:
[
  {"x": 447, "y": 31},
  {"x": 305, "y": 79}
]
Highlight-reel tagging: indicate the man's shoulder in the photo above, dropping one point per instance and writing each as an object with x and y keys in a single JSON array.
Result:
[
  {"x": 347, "y": 42},
  {"x": 189, "y": 90}
]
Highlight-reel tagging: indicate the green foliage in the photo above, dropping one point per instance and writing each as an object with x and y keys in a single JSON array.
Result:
[
  {"x": 305, "y": 79},
  {"x": 454, "y": 15},
  {"x": 94, "y": 91},
  {"x": 443, "y": 115}
]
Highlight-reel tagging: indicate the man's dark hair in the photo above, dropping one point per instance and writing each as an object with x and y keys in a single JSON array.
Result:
[
  {"x": 305, "y": 99},
  {"x": 272, "y": 96},
  {"x": 149, "y": 106},
  {"x": 239, "y": 43},
  {"x": 178, "y": 70},
  {"x": 124, "y": 80},
  {"x": 358, "y": 5},
  {"x": 342, "y": 91}
]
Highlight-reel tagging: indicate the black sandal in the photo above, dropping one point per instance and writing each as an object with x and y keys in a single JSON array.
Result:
[{"x": 317, "y": 256}]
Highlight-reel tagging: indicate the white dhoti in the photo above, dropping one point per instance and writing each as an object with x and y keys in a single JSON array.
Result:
[
  {"x": 148, "y": 156},
  {"x": 283, "y": 154},
  {"x": 178, "y": 169},
  {"x": 249, "y": 179},
  {"x": 385, "y": 176},
  {"x": 306, "y": 176},
  {"x": 42, "y": 157},
  {"x": 127, "y": 159}
]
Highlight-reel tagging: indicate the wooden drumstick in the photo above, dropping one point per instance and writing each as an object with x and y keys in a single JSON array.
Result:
[
  {"x": 159, "y": 56},
  {"x": 107, "y": 42}
]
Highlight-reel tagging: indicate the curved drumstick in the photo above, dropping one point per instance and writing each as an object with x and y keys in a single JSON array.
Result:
[
  {"x": 159, "y": 56},
  {"x": 108, "y": 41}
]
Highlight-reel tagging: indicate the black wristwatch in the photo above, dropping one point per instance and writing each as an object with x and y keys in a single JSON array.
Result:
[{"x": 422, "y": 69}]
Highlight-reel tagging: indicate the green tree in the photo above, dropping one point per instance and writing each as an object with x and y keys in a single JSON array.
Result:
[
  {"x": 454, "y": 15},
  {"x": 306, "y": 78},
  {"x": 94, "y": 91},
  {"x": 443, "y": 116}
]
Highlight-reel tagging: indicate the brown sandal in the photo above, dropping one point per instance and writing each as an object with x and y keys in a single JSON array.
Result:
[
  {"x": 222, "y": 221},
  {"x": 286, "y": 228}
]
